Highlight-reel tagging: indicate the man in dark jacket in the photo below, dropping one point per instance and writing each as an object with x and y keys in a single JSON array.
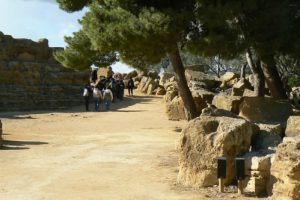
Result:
[{"x": 130, "y": 86}]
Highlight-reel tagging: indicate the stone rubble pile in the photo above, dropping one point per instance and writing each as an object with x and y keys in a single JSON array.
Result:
[{"x": 265, "y": 131}]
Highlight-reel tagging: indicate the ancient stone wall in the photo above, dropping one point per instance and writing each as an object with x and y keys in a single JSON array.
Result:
[{"x": 30, "y": 78}]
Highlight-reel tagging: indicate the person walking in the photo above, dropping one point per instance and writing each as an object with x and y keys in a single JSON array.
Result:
[
  {"x": 108, "y": 97},
  {"x": 130, "y": 86},
  {"x": 86, "y": 96},
  {"x": 97, "y": 98}
]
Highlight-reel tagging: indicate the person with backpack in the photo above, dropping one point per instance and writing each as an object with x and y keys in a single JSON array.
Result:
[
  {"x": 130, "y": 86},
  {"x": 122, "y": 87},
  {"x": 86, "y": 96},
  {"x": 97, "y": 98},
  {"x": 112, "y": 86},
  {"x": 107, "y": 97}
]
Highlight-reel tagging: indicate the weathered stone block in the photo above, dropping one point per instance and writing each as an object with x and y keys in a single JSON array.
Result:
[
  {"x": 230, "y": 103},
  {"x": 293, "y": 126},
  {"x": 265, "y": 109},
  {"x": 206, "y": 138}
]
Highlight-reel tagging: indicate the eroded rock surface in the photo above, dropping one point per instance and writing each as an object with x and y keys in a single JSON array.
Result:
[{"x": 206, "y": 138}]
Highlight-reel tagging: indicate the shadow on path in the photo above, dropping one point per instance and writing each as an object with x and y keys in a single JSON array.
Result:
[
  {"x": 19, "y": 145},
  {"x": 117, "y": 106}
]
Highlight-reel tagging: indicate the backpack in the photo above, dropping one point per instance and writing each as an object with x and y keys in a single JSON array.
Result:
[
  {"x": 85, "y": 92},
  {"x": 96, "y": 92},
  {"x": 106, "y": 95}
]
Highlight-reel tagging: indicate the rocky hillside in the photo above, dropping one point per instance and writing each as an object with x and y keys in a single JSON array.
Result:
[{"x": 30, "y": 78}]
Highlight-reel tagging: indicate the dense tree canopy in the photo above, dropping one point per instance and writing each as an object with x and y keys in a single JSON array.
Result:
[
  {"x": 79, "y": 53},
  {"x": 143, "y": 32}
]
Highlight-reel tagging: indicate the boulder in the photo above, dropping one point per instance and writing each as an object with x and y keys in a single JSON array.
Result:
[
  {"x": 228, "y": 76},
  {"x": 293, "y": 126},
  {"x": 143, "y": 73},
  {"x": 143, "y": 82},
  {"x": 268, "y": 137},
  {"x": 295, "y": 96},
  {"x": 1, "y": 142},
  {"x": 230, "y": 103},
  {"x": 170, "y": 95},
  {"x": 199, "y": 101},
  {"x": 160, "y": 91},
  {"x": 265, "y": 110},
  {"x": 284, "y": 183},
  {"x": 175, "y": 109},
  {"x": 206, "y": 138},
  {"x": 149, "y": 82},
  {"x": 258, "y": 167},
  {"x": 150, "y": 90},
  {"x": 207, "y": 96},
  {"x": 164, "y": 77},
  {"x": 248, "y": 93},
  {"x": 152, "y": 74},
  {"x": 206, "y": 81},
  {"x": 239, "y": 87},
  {"x": 136, "y": 84},
  {"x": 213, "y": 111}
]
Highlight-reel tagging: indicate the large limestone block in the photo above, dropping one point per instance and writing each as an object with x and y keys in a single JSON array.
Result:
[
  {"x": 248, "y": 93},
  {"x": 207, "y": 96},
  {"x": 151, "y": 89},
  {"x": 170, "y": 95},
  {"x": 258, "y": 166},
  {"x": 268, "y": 137},
  {"x": 153, "y": 74},
  {"x": 285, "y": 171},
  {"x": 295, "y": 96},
  {"x": 293, "y": 126},
  {"x": 207, "y": 81},
  {"x": 239, "y": 87},
  {"x": 142, "y": 83},
  {"x": 160, "y": 91},
  {"x": 164, "y": 77},
  {"x": 265, "y": 109},
  {"x": 206, "y": 138},
  {"x": 149, "y": 82},
  {"x": 175, "y": 109},
  {"x": 228, "y": 76},
  {"x": 230, "y": 103}
]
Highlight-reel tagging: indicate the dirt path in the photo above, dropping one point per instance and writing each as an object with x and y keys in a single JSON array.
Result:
[{"x": 127, "y": 153}]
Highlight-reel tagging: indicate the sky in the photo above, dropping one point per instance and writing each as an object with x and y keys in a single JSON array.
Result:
[{"x": 35, "y": 19}]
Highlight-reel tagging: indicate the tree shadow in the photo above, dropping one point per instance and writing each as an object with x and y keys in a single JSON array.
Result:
[
  {"x": 19, "y": 145},
  {"x": 117, "y": 106}
]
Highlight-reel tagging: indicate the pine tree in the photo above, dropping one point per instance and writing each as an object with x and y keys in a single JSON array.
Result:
[
  {"x": 79, "y": 53},
  {"x": 142, "y": 32}
]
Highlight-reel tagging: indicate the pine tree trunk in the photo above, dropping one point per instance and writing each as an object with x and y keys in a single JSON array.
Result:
[
  {"x": 272, "y": 78},
  {"x": 243, "y": 71},
  {"x": 259, "y": 78},
  {"x": 184, "y": 91}
]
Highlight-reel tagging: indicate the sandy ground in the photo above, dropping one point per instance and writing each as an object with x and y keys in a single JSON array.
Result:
[{"x": 126, "y": 153}]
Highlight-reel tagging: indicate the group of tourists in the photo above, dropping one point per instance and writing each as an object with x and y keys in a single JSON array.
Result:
[{"x": 106, "y": 91}]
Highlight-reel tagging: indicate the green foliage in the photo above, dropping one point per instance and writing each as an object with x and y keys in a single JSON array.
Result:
[
  {"x": 229, "y": 27},
  {"x": 80, "y": 55},
  {"x": 142, "y": 32},
  {"x": 71, "y": 6}
]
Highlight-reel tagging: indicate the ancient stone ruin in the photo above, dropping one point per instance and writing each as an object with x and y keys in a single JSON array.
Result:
[
  {"x": 30, "y": 78},
  {"x": 235, "y": 123}
]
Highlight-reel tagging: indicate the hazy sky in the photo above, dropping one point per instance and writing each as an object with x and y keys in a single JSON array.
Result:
[{"x": 35, "y": 19}]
